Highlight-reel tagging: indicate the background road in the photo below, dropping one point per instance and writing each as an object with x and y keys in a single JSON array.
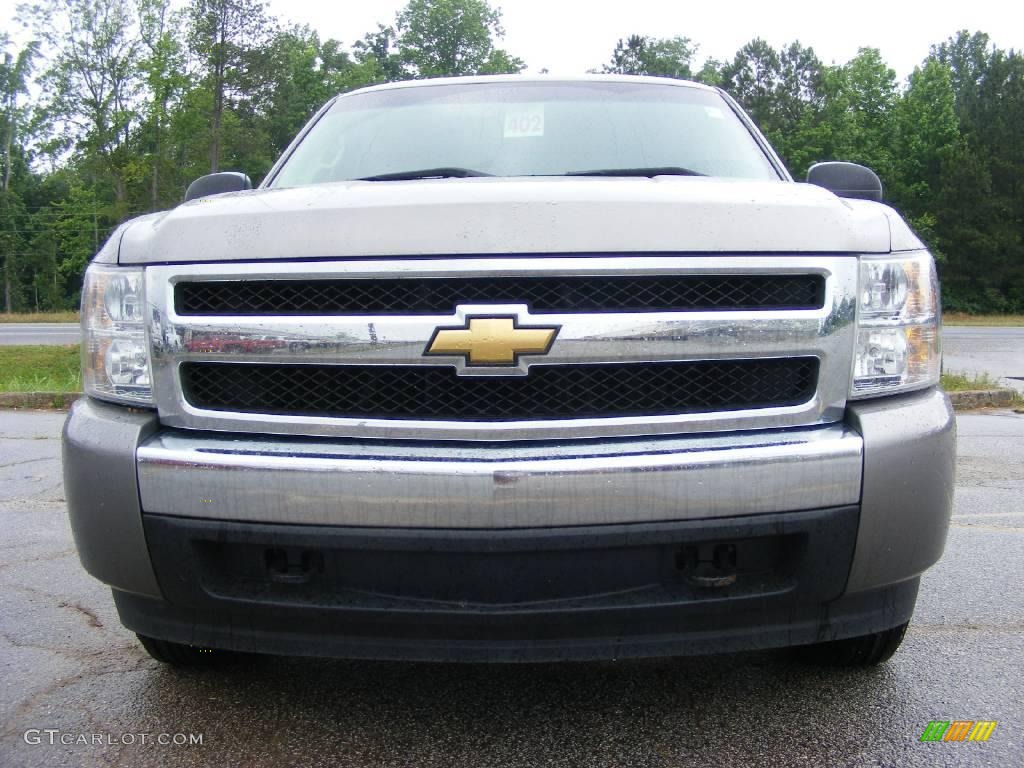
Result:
[
  {"x": 998, "y": 352},
  {"x": 39, "y": 333},
  {"x": 65, "y": 662}
]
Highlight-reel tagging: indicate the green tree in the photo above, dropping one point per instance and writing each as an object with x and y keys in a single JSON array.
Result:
[
  {"x": 926, "y": 132},
  {"x": 166, "y": 77},
  {"x": 660, "y": 57},
  {"x": 980, "y": 209},
  {"x": 14, "y": 75},
  {"x": 226, "y": 36},
  {"x": 378, "y": 52},
  {"x": 858, "y": 106},
  {"x": 968, "y": 56},
  {"x": 710, "y": 73},
  {"x": 752, "y": 78},
  {"x": 449, "y": 38},
  {"x": 93, "y": 84},
  {"x": 12, "y": 241},
  {"x": 75, "y": 226},
  {"x": 307, "y": 72},
  {"x": 784, "y": 93}
]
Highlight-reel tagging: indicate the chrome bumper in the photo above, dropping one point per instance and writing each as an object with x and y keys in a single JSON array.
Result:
[{"x": 275, "y": 480}]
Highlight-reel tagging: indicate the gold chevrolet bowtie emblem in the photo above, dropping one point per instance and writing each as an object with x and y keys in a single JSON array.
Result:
[{"x": 492, "y": 341}]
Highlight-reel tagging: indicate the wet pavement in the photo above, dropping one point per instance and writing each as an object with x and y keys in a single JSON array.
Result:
[{"x": 66, "y": 665}]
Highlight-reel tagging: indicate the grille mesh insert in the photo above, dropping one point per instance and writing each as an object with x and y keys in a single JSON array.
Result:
[
  {"x": 644, "y": 293},
  {"x": 548, "y": 392}
]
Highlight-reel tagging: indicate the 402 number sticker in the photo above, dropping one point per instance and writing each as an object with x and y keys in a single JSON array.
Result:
[{"x": 524, "y": 120}]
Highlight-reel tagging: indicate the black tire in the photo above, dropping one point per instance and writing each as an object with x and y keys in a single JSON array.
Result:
[
  {"x": 862, "y": 651},
  {"x": 182, "y": 655}
]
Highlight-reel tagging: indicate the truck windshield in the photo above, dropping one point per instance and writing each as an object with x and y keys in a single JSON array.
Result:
[{"x": 600, "y": 128}]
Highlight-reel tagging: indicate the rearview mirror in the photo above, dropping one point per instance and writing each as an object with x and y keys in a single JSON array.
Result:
[
  {"x": 846, "y": 180},
  {"x": 217, "y": 184}
]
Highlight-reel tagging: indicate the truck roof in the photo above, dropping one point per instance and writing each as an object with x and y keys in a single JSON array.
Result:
[{"x": 508, "y": 79}]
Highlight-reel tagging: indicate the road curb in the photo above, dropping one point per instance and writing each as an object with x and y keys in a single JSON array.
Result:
[
  {"x": 59, "y": 401},
  {"x": 982, "y": 398}
]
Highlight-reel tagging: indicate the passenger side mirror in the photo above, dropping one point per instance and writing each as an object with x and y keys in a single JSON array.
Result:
[
  {"x": 846, "y": 180},
  {"x": 217, "y": 184}
]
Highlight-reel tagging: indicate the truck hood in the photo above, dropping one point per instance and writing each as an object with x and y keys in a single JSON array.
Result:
[{"x": 507, "y": 216}]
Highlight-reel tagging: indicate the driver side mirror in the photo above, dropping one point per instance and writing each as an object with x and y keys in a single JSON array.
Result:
[
  {"x": 217, "y": 184},
  {"x": 846, "y": 180}
]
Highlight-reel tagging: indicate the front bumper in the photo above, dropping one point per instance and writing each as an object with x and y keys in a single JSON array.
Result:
[
  {"x": 318, "y": 482},
  {"x": 134, "y": 489},
  {"x": 549, "y": 594}
]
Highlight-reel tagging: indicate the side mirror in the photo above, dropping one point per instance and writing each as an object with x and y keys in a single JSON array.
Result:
[
  {"x": 846, "y": 180},
  {"x": 217, "y": 184}
]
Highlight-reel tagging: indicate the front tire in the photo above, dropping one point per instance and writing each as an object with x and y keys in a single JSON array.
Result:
[
  {"x": 861, "y": 651},
  {"x": 182, "y": 655}
]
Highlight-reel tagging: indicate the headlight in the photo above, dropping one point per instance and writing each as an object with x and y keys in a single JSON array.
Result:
[
  {"x": 115, "y": 353},
  {"x": 897, "y": 325}
]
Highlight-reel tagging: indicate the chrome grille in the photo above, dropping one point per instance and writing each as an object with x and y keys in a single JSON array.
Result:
[{"x": 643, "y": 370}]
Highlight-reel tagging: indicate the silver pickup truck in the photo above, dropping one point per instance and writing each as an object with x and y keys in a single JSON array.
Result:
[{"x": 515, "y": 368}]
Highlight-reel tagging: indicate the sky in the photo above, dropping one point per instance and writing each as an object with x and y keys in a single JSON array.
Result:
[{"x": 572, "y": 36}]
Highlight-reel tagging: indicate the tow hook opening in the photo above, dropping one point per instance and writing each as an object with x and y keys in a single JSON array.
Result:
[
  {"x": 710, "y": 565},
  {"x": 293, "y": 566}
]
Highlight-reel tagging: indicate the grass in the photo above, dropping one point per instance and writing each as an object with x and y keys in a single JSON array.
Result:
[
  {"x": 968, "y": 382},
  {"x": 963, "y": 382},
  {"x": 39, "y": 317},
  {"x": 960, "y": 318},
  {"x": 40, "y": 369}
]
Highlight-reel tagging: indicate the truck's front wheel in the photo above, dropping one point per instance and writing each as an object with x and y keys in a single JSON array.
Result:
[{"x": 861, "y": 651}]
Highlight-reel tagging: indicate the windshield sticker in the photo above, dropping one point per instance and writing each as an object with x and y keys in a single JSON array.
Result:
[
  {"x": 714, "y": 112},
  {"x": 524, "y": 120}
]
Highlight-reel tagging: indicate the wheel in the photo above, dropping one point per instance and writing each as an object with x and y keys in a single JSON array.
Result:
[
  {"x": 862, "y": 651},
  {"x": 182, "y": 655}
]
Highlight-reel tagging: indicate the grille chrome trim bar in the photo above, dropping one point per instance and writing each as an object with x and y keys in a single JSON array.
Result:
[{"x": 826, "y": 333}]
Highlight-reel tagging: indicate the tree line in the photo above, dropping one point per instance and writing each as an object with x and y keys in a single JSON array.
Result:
[{"x": 117, "y": 105}]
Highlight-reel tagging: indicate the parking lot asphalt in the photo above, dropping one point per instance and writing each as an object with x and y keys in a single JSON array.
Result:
[{"x": 66, "y": 664}]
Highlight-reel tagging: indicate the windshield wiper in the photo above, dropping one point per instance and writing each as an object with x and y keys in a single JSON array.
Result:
[
  {"x": 668, "y": 170},
  {"x": 427, "y": 173}
]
